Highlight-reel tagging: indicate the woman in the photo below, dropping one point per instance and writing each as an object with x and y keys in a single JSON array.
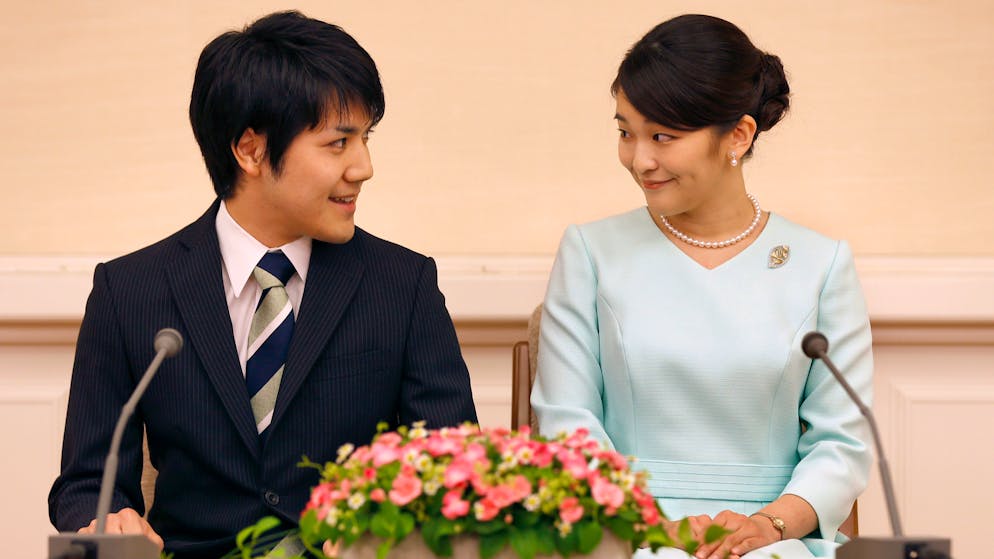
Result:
[{"x": 673, "y": 331}]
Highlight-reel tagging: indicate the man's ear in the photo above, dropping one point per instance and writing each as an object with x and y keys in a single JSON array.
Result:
[
  {"x": 250, "y": 152},
  {"x": 740, "y": 137}
]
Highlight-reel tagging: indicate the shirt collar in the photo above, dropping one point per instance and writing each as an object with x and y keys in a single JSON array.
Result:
[{"x": 240, "y": 251}]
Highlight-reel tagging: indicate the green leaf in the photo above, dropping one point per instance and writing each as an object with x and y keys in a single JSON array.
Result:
[
  {"x": 243, "y": 535},
  {"x": 715, "y": 533},
  {"x": 384, "y": 548},
  {"x": 566, "y": 545},
  {"x": 491, "y": 527},
  {"x": 383, "y": 525},
  {"x": 657, "y": 537},
  {"x": 683, "y": 532},
  {"x": 436, "y": 533},
  {"x": 524, "y": 542},
  {"x": 546, "y": 541},
  {"x": 266, "y": 524},
  {"x": 404, "y": 525},
  {"x": 491, "y": 544},
  {"x": 306, "y": 462},
  {"x": 589, "y": 536},
  {"x": 621, "y": 528}
]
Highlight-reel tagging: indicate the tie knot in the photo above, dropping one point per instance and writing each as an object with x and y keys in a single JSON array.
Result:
[{"x": 273, "y": 269}]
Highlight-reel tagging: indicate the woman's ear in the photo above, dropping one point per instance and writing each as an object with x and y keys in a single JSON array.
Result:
[
  {"x": 250, "y": 152},
  {"x": 740, "y": 137}
]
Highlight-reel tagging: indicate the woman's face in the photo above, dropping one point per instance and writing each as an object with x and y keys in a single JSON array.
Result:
[{"x": 677, "y": 171}]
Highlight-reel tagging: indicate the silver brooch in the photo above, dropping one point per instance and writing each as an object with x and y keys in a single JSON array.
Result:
[{"x": 779, "y": 255}]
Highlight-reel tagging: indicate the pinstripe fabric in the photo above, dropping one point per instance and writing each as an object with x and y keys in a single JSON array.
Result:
[
  {"x": 269, "y": 336},
  {"x": 372, "y": 342}
]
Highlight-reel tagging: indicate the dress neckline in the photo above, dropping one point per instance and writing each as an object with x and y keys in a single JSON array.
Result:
[{"x": 770, "y": 221}]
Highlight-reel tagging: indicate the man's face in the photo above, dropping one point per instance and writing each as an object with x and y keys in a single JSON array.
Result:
[{"x": 316, "y": 192}]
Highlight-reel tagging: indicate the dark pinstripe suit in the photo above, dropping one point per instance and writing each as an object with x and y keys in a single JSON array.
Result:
[{"x": 373, "y": 342}]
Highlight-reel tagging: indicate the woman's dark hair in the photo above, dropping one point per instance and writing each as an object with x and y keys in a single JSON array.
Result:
[
  {"x": 278, "y": 76},
  {"x": 696, "y": 71}
]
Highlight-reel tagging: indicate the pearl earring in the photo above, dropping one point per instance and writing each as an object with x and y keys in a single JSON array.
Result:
[{"x": 735, "y": 161}]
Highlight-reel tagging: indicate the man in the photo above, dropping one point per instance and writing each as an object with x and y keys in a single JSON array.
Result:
[{"x": 302, "y": 331}]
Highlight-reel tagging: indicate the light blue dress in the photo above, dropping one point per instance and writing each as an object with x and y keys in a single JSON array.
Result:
[{"x": 699, "y": 373}]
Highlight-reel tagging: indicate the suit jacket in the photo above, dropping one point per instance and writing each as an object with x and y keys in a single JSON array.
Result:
[{"x": 373, "y": 342}]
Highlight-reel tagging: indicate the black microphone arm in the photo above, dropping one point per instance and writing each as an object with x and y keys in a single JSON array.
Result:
[
  {"x": 101, "y": 545},
  {"x": 815, "y": 346},
  {"x": 168, "y": 342}
]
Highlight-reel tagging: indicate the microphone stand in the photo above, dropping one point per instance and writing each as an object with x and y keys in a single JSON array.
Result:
[
  {"x": 815, "y": 346},
  {"x": 101, "y": 545}
]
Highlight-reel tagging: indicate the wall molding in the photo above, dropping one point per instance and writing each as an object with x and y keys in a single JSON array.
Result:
[{"x": 911, "y": 299}]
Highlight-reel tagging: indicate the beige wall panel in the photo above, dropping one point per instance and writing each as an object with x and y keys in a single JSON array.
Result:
[{"x": 498, "y": 130}]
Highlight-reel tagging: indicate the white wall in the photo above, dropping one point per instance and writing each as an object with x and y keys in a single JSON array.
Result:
[{"x": 499, "y": 121}]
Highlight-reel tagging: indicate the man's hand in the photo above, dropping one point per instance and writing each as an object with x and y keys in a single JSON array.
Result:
[{"x": 126, "y": 521}]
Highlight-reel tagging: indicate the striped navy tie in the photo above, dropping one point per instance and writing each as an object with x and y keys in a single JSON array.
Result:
[{"x": 269, "y": 336}]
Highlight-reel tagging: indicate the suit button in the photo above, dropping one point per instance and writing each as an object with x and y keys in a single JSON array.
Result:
[{"x": 272, "y": 498}]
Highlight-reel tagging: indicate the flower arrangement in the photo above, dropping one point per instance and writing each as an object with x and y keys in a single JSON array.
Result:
[{"x": 540, "y": 496}]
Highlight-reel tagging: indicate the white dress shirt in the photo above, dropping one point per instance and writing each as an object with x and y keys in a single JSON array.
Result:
[{"x": 240, "y": 253}]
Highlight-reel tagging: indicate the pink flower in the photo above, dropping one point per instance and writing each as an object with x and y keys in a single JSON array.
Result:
[
  {"x": 616, "y": 460},
  {"x": 440, "y": 446},
  {"x": 570, "y": 510},
  {"x": 453, "y": 506},
  {"x": 607, "y": 494},
  {"x": 320, "y": 495},
  {"x": 383, "y": 455},
  {"x": 642, "y": 498},
  {"x": 521, "y": 487},
  {"x": 579, "y": 439},
  {"x": 573, "y": 463},
  {"x": 485, "y": 509},
  {"x": 405, "y": 489},
  {"x": 458, "y": 473},
  {"x": 542, "y": 455},
  {"x": 378, "y": 495},
  {"x": 502, "y": 495},
  {"x": 650, "y": 514}
]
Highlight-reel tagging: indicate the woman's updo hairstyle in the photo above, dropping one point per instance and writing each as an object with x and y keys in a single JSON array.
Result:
[{"x": 696, "y": 71}]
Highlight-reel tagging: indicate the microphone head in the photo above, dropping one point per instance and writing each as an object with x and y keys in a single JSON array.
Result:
[
  {"x": 169, "y": 340},
  {"x": 814, "y": 344}
]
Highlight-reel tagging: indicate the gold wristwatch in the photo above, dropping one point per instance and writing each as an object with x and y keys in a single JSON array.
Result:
[{"x": 777, "y": 522}]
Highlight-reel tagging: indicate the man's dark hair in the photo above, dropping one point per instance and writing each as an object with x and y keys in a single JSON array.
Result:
[{"x": 278, "y": 76}]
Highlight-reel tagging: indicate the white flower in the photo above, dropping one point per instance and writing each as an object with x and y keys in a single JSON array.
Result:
[
  {"x": 356, "y": 500},
  {"x": 344, "y": 451},
  {"x": 564, "y": 528},
  {"x": 332, "y": 518},
  {"x": 422, "y": 462},
  {"x": 525, "y": 455},
  {"x": 417, "y": 433},
  {"x": 431, "y": 487},
  {"x": 532, "y": 502}
]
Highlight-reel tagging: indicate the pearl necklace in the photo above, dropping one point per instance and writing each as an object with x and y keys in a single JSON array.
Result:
[{"x": 717, "y": 244}]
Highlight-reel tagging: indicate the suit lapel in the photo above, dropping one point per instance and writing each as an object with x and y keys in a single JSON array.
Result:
[
  {"x": 198, "y": 289},
  {"x": 333, "y": 275}
]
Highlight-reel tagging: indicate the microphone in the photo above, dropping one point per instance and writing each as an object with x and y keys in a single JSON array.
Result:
[
  {"x": 168, "y": 342},
  {"x": 815, "y": 346}
]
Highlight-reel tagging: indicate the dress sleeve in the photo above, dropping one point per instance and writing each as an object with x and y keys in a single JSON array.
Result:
[
  {"x": 569, "y": 385},
  {"x": 834, "y": 450}
]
